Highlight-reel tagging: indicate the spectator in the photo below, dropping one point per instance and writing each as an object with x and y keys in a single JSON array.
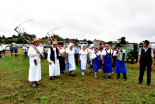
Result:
[
  {"x": 16, "y": 50},
  {"x": 3, "y": 48},
  {"x": 25, "y": 51},
  {"x": 0, "y": 51}
]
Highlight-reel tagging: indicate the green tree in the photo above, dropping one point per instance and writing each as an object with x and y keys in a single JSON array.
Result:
[{"x": 123, "y": 41}]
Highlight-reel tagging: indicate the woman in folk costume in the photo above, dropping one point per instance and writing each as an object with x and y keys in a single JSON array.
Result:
[
  {"x": 70, "y": 60},
  {"x": 35, "y": 66},
  {"x": 61, "y": 58},
  {"x": 54, "y": 67},
  {"x": 95, "y": 60},
  {"x": 120, "y": 65},
  {"x": 90, "y": 52},
  {"x": 83, "y": 59},
  {"x": 107, "y": 61}
]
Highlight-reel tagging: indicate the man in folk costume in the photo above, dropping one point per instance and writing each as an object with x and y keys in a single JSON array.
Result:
[
  {"x": 35, "y": 66},
  {"x": 145, "y": 59},
  {"x": 120, "y": 65},
  {"x": 107, "y": 61},
  {"x": 54, "y": 67}
]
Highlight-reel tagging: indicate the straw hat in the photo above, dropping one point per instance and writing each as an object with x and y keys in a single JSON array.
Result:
[
  {"x": 36, "y": 40},
  {"x": 54, "y": 42}
]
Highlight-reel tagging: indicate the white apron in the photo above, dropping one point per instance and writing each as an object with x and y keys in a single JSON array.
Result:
[
  {"x": 54, "y": 68},
  {"x": 71, "y": 60},
  {"x": 34, "y": 70},
  {"x": 83, "y": 58}
]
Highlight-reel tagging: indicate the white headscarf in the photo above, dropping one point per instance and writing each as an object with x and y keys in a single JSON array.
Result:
[
  {"x": 70, "y": 44},
  {"x": 83, "y": 46},
  {"x": 92, "y": 45}
]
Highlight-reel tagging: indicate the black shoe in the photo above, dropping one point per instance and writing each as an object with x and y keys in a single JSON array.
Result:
[
  {"x": 34, "y": 85},
  {"x": 148, "y": 84},
  {"x": 125, "y": 78},
  {"x": 51, "y": 78},
  {"x": 104, "y": 76},
  {"x": 109, "y": 77},
  {"x": 61, "y": 72},
  {"x": 70, "y": 74},
  {"x": 96, "y": 77},
  {"x": 56, "y": 77},
  {"x": 37, "y": 83},
  {"x": 140, "y": 83}
]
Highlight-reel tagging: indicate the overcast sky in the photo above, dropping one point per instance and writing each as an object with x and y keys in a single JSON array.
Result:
[{"x": 91, "y": 19}]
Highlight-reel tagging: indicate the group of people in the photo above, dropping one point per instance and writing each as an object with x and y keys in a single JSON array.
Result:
[
  {"x": 13, "y": 49},
  {"x": 65, "y": 59}
]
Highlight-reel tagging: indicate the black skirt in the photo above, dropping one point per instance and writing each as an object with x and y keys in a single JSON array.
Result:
[{"x": 62, "y": 63}]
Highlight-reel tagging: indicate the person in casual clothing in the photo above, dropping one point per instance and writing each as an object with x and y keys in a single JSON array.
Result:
[
  {"x": 95, "y": 60},
  {"x": 11, "y": 49},
  {"x": 53, "y": 59},
  {"x": 83, "y": 59},
  {"x": 77, "y": 50},
  {"x": 35, "y": 66},
  {"x": 25, "y": 51},
  {"x": 107, "y": 61},
  {"x": 70, "y": 60},
  {"x": 46, "y": 52},
  {"x": 90, "y": 52},
  {"x": 16, "y": 50},
  {"x": 61, "y": 58},
  {"x": 145, "y": 59},
  {"x": 120, "y": 65},
  {"x": 0, "y": 51},
  {"x": 3, "y": 48}
]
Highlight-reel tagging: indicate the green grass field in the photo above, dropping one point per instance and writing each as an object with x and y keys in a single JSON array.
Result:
[{"x": 15, "y": 88}]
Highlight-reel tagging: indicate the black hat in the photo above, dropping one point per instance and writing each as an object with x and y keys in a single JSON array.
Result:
[
  {"x": 60, "y": 44},
  {"x": 118, "y": 45},
  {"x": 146, "y": 42}
]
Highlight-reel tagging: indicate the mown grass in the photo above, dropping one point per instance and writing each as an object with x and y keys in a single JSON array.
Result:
[{"x": 15, "y": 88}]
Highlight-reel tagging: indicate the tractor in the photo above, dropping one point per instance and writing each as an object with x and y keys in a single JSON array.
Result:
[{"x": 132, "y": 50}]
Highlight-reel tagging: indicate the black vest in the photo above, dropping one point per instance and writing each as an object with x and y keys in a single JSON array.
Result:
[
  {"x": 146, "y": 56},
  {"x": 52, "y": 56}
]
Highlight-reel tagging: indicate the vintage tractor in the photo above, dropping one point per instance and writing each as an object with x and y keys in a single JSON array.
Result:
[{"x": 132, "y": 50}]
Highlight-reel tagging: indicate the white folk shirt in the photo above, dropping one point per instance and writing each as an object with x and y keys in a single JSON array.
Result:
[
  {"x": 62, "y": 50},
  {"x": 104, "y": 52},
  {"x": 34, "y": 70},
  {"x": 25, "y": 48},
  {"x": 94, "y": 55},
  {"x": 100, "y": 52},
  {"x": 152, "y": 55},
  {"x": 3, "y": 47},
  {"x": 54, "y": 68},
  {"x": 115, "y": 52},
  {"x": 90, "y": 52},
  {"x": 71, "y": 59}
]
